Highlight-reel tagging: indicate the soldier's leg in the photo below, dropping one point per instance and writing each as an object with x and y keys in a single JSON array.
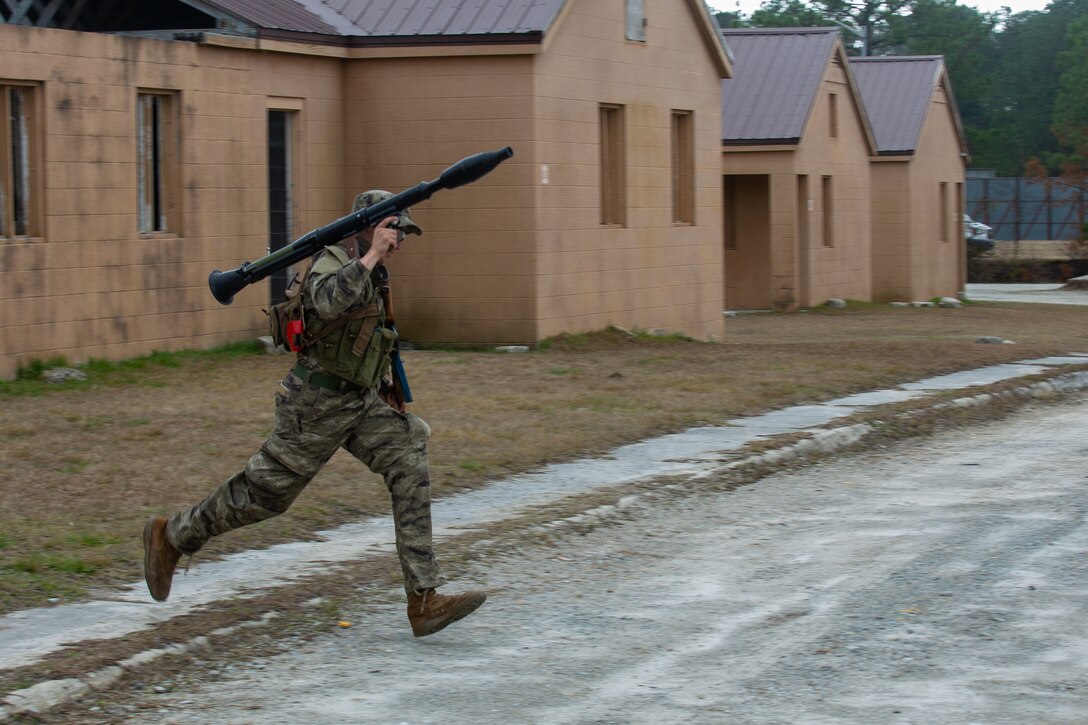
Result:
[
  {"x": 263, "y": 489},
  {"x": 394, "y": 445},
  {"x": 311, "y": 423}
]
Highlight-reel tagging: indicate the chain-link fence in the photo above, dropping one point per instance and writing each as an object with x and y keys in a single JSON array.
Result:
[{"x": 1022, "y": 209}]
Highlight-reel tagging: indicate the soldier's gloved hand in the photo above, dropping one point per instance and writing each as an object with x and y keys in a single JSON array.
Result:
[
  {"x": 392, "y": 396},
  {"x": 382, "y": 244}
]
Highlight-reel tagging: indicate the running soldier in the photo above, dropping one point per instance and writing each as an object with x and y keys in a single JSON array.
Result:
[{"x": 335, "y": 397}]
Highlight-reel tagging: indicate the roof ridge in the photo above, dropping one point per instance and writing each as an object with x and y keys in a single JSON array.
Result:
[
  {"x": 900, "y": 58},
  {"x": 816, "y": 30}
]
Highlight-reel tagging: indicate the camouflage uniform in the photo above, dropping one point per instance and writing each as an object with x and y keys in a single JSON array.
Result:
[{"x": 314, "y": 420}]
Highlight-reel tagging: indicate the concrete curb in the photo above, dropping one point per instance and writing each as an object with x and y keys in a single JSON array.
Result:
[
  {"x": 46, "y": 695},
  {"x": 39, "y": 698},
  {"x": 829, "y": 441}
]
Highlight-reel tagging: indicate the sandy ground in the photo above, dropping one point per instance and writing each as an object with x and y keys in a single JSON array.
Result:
[
  {"x": 158, "y": 438},
  {"x": 941, "y": 581}
]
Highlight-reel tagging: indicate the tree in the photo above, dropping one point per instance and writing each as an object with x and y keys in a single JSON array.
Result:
[
  {"x": 869, "y": 19},
  {"x": 729, "y": 18},
  {"x": 1070, "y": 161},
  {"x": 965, "y": 37},
  {"x": 1020, "y": 110},
  {"x": 787, "y": 14},
  {"x": 1071, "y": 103}
]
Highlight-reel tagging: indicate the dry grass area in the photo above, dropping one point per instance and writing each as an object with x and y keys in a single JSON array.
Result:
[{"x": 84, "y": 467}]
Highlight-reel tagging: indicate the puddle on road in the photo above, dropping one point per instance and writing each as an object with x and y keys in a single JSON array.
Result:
[{"x": 27, "y": 636}]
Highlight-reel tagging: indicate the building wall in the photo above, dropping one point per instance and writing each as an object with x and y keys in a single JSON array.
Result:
[
  {"x": 911, "y": 261},
  {"x": 806, "y": 268},
  {"x": 89, "y": 285},
  {"x": 747, "y": 248},
  {"x": 763, "y": 267},
  {"x": 840, "y": 266},
  {"x": 515, "y": 257},
  {"x": 649, "y": 273},
  {"x": 471, "y": 276},
  {"x": 939, "y": 267},
  {"x": 895, "y": 244}
]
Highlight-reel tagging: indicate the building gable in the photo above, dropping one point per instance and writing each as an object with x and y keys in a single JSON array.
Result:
[
  {"x": 898, "y": 93},
  {"x": 779, "y": 73}
]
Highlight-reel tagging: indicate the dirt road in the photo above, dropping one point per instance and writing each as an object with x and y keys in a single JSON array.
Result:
[{"x": 937, "y": 582}]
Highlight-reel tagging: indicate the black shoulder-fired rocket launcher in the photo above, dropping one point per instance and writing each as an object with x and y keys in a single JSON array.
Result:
[{"x": 225, "y": 285}]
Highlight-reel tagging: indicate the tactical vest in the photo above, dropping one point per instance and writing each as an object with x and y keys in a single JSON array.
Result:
[{"x": 354, "y": 346}]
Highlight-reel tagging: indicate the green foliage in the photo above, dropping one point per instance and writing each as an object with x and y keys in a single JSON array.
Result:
[
  {"x": 870, "y": 18},
  {"x": 730, "y": 20},
  {"x": 788, "y": 14},
  {"x": 1019, "y": 115},
  {"x": 39, "y": 564},
  {"x": 966, "y": 39},
  {"x": 1071, "y": 102},
  {"x": 34, "y": 369},
  {"x": 1020, "y": 80},
  {"x": 29, "y": 381}
]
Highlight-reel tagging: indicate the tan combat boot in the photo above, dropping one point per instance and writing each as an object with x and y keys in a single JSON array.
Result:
[
  {"x": 160, "y": 558},
  {"x": 430, "y": 612}
]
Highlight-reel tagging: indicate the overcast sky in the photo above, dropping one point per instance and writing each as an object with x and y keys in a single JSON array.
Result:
[{"x": 747, "y": 6}]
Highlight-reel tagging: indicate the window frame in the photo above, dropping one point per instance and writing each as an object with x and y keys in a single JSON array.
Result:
[
  {"x": 827, "y": 206},
  {"x": 943, "y": 214},
  {"x": 20, "y": 220},
  {"x": 636, "y": 20},
  {"x": 613, "y": 165},
  {"x": 833, "y": 115},
  {"x": 683, "y": 167},
  {"x": 157, "y": 167}
]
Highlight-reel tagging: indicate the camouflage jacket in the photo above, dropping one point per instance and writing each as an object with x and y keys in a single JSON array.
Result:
[{"x": 343, "y": 314}]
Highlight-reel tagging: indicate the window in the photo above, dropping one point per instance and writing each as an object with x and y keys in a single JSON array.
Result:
[
  {"x": 957, "y": 214},
  {"x": 729, "y": 212},
  {"x": 683, "y": 168},
  {"x": 19, "y": 184},
  {"x": 613, "y": 202},
  {"x": 942, "y": 205},
  {"x": 828, "y": 211},
  {"x": 833, "y": 115},
  {"x": 804, "y": 206},
  {"x": 156, "y": 165},
  {"x": 636, "y": 20}
]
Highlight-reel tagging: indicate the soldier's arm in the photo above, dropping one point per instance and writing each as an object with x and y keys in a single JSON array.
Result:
[{"x": 334, "y": 288}]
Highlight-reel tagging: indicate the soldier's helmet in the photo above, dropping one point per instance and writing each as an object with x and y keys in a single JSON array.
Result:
[{"x": 372, "y": 197}]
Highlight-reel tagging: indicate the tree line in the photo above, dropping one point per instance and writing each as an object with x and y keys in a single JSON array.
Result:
[{"x": 1020, "y": 79}]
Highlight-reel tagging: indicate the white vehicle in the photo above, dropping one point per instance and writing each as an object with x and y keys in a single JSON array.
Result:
[{"x": 977, "y": 235}]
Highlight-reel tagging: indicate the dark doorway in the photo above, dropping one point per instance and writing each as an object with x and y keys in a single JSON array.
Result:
[
  {"x": 746, "y": 219},
  {"x": 280, "y": 190}
]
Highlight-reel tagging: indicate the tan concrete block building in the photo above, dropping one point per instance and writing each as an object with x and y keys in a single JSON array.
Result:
[
  {"x": 151, "y": 146},
  {"x": 796, "y": 149},
  {"x": 917, "y": 178}
]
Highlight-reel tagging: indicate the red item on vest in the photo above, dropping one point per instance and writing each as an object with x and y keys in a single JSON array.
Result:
[{"x": 294, "y": 335}]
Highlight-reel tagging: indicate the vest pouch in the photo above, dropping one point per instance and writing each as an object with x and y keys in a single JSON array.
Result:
[
  {"x": 285, "y": 325},
  {"x": 375, "y": 358}
]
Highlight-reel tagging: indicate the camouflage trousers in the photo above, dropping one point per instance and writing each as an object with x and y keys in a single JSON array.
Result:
[{"x": 311, "y": 424}]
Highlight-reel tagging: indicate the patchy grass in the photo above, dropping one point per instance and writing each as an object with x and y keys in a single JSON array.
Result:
[
  {"x": 29, "y": 381},
  {"x": 84, "y": 464}
]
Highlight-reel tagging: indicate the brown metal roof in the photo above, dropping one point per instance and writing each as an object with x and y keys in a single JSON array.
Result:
[
  {"x": 279, "y": 14},
  {"x": 404, "y": 19},
  {"x": 897, "y": 92},
  {"x": 776, "y": 74},
  {"x": 430, "y": 17}
]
